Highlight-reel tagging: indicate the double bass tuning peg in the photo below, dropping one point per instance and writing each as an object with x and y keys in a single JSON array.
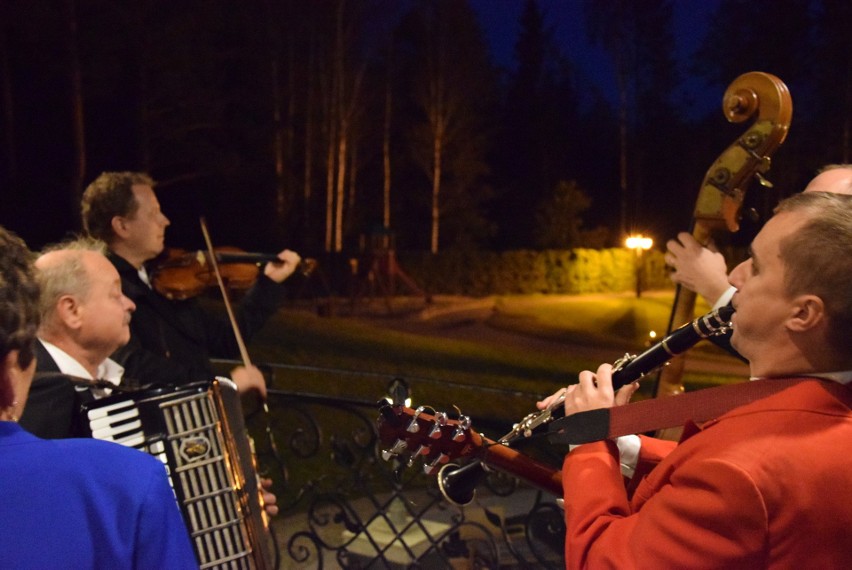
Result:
[{"x": 763, "y": 181}]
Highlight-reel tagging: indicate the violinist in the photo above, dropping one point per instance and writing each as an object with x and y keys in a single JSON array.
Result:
[{"x": 171, "y": 341}]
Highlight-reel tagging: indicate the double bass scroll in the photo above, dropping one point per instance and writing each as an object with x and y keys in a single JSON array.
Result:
[{"x": 765, "y": 98}]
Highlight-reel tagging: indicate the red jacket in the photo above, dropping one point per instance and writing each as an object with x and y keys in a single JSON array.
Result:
[{"x": 767, "y": 485}]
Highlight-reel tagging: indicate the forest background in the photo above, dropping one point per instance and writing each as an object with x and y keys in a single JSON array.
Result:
[{"x": 320, "y": 124}]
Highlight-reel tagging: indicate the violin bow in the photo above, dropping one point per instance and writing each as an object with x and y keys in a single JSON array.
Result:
[
  {"x": 215, "y": 265},
  {"x": 238, "y": 335}
]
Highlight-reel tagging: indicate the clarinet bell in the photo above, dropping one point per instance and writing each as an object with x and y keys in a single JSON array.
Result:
[{"x": 458, "y": 484}]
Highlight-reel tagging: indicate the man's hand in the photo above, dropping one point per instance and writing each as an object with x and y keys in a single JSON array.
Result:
[
  {"x": 698, "y": 268},
  {"x": 269, "y": 498},
  {"x": 593, "y": 391},
  {"x": 278, "y": 271},
  {"x": 249, "y": 378}
]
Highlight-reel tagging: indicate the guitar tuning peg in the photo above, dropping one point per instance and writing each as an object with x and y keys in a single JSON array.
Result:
[
  {"x": 397, "y": 448},
  {"x": 763, "y": 181},
  {"x": 414, "y": 427},
  {"x": 431, "y": 468},
  {"x": 421, "y": 450},
  {"x": 440, "y": 421},
  {"x": 461, "y": 430}
]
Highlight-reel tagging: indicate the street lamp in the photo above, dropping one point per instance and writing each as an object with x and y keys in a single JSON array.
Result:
[{"x": 638, "y": 243}]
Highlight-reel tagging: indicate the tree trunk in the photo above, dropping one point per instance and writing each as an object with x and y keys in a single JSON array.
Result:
[
  {"x": 290, "y": 125},
  {"x": 352, "y": 191},
  {"x": 386, "y": 161},
  {"x": 436, "y": 191},
  {"x": 329, "y": 181},
  {"x": 307, "y": 191},
  {"x": 277, "y": 138},
  {"x": 340, "y": 187}
]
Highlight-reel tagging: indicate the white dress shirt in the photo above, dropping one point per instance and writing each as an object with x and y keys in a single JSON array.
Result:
[{"x": 108, "y": 370}]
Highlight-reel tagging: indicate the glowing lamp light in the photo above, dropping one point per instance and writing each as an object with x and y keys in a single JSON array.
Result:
[{"x": 638, "y": 242}]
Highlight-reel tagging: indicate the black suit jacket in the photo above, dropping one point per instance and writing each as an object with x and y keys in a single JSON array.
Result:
[
  {"x": 53, "y": 404},
  {"x": 171, "y": 342}
]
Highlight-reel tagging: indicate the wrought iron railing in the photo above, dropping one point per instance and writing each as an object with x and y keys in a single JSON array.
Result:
[{"x": 343, "y": 506}]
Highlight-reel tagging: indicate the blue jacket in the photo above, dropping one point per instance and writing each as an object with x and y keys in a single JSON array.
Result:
[{"x": 81, "y": 503}]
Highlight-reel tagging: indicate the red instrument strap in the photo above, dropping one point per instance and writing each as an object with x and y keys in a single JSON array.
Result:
[{"x": 650, "y": 415}]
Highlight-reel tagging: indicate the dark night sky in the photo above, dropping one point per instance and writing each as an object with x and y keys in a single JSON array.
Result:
[{"x": 500, "y": 21}]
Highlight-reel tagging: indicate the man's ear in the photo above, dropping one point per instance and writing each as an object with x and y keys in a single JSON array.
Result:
[
  {"x": 808, "y": 312},
  {"x": 68, "y": 309},
  {"x": 119, "y": 226}
]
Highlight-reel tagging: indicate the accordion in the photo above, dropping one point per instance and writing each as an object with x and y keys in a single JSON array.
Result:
[{"x": 198, "y": 432}]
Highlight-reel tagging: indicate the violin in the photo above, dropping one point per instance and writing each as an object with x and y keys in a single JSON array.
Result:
[{"x": 181, "y": 274}]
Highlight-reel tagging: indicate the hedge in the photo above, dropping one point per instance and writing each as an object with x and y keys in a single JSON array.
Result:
[{"x": 528, "y": 271}]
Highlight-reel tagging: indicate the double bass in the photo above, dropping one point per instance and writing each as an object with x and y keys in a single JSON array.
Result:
[{"x": 720, "y": 198}]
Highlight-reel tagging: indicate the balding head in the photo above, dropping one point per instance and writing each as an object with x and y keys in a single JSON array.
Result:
[
  {"x": 83, "y": 309},
  {"x": 60, "y": 272},
  {"x": 836, "y": 178}
]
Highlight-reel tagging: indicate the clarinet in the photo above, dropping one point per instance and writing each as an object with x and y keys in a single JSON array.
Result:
[{"x": 630, "y": 368}]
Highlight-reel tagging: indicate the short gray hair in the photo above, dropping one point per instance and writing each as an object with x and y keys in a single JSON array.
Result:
[{"x": 66, "y": 276}]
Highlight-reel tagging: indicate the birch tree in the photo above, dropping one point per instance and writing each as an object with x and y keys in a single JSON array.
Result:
[{"x": 452, "y": 91}]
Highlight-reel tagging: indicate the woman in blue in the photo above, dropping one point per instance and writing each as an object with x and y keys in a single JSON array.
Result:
[{"x": 71, "y": 503}]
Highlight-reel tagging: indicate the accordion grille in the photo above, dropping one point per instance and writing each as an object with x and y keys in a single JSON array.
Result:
[{"x": 202, "y": 473}]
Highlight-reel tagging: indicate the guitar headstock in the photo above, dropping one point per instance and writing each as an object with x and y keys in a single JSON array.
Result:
[{"x": 434, "y": 437}]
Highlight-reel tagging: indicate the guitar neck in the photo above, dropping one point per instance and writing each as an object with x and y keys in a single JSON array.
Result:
[{"x": 513, "y": 462}]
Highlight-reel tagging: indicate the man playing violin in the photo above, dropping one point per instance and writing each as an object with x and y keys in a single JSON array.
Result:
[
  {"x": 765, "y": 485},
  {"x": 171, "y": 341}
]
